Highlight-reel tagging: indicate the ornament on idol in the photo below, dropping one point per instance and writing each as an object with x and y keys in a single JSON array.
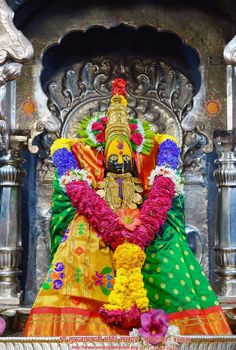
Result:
[{"x": 118, "y": 148}]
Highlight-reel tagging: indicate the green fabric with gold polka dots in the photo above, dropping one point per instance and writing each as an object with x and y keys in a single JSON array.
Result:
[
  {"x": 172, "y": 276},
  {"x": 62, "y": 214}
]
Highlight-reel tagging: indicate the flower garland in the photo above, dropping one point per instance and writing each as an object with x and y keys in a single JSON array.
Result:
[
  {"x": 66, "y": 163},
  {"x": 142, "y": 137},
  {"x": 92, "y": 132},
  {"x": 172, "y": 174},
  {"x": 92, "y": 129},
  {"x": 128, "y": 294},
  {"x": 101, "y": 217},
  {"x": 62, "y": 143},
  {"x": 169, "y": 154},
  {"x": 128, "y": 300},
  {"x": 74, "y": 175}
]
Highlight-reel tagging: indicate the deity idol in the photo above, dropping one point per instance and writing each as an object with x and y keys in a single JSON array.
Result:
[{"x": 120, "y": 258}]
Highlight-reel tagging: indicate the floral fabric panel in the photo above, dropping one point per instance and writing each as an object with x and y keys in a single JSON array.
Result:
[{"x": 82, "y": 266}]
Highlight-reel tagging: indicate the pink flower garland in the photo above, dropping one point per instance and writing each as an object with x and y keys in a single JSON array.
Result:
[
  {"x": 101, "y": 217},
  {"x": 126, "y": 319}
]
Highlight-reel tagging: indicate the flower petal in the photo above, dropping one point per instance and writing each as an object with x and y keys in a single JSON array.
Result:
[
  {"x": 162, "y": 330},
  {"x": 144, "y": 333},
  {"x": 146, "y": 320},
  {"x": 159, "y": 314}
]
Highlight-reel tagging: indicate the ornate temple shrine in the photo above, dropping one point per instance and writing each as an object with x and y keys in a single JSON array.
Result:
[{"x": 58, "y": 64}]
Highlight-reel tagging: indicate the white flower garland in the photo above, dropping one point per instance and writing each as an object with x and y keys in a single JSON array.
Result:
[
  {"x": 141, "y": 131},
  {"x": 89, "y": 129},
  {"x": 74, "y": 175},
  {"x": 172, "y": 174},
  {"x": 173, "y": 331}
]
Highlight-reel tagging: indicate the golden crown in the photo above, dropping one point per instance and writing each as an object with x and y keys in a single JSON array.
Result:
[{"x": 117, "y": 118}]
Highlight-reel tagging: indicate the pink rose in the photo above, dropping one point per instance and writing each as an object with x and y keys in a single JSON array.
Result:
[
  {"x": 2, "y": 326},
  {"x": 133, "y": 126},
  {"x": 136, "y": 138},
  {"x": 104, "y": 120},
  {"x": 97, "y": 126},
  {"x": 100, "y": 137}
]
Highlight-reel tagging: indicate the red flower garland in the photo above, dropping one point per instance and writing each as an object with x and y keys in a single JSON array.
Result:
[
  {"x": 119, "y": 87},
  {"x": 101, "y": 217}
]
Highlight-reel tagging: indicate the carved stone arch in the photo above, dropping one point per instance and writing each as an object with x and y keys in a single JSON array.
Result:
[{"x": 157, "y": 90}]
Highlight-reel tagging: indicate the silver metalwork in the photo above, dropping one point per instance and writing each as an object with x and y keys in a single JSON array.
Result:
[
  {"x": 230, "y": 59},
  {"x": 231, "y": 96},
  {"x": 156, "y": 92},
  {"x": 9, "y": 71},
  {"x": 68, "y": 343},
  {"x": 15, "y": 50},
  {"x": 3, "y": 135},
  {"x": 11, "y": 178},
  {"x": 14, "y": 44},
  {"x": 230, "y": 52},
  {"x": 226, "y": 220},
  {"x": 225, "y": 174}
]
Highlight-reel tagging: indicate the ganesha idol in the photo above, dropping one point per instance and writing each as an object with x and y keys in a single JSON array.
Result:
[{"x": 120, "y": 257}]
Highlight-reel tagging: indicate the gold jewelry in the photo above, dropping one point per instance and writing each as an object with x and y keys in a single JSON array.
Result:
[
  {"x": 117, "y": 119},
  {"x": 130, "y": 186}
]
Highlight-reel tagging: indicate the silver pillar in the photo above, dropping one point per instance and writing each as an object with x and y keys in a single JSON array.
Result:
[
  {"x": 15, "y": 50},
  {"x": 11, "y": 179},
  {"x": 230, "y": 59},
  {"x": 225, "y": 175},
  {"x": 226, "y": 217}
]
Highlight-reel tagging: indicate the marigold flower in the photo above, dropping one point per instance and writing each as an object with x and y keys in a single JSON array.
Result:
[{"x": 62, "y": 143}]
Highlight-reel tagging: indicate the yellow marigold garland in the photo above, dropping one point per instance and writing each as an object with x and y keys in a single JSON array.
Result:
[
  {"x": 62, "y": 143},
  {"x": 129, "y": 286},
  {"x": 160, "y": 138}
]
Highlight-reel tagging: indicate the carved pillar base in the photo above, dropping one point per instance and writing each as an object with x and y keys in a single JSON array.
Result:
[
  {"x": 226, "y": 218},
  {"x": 10, "y": 290},
  {"x": 226, "y": 274},
  {"x": 11, "y": 178}
]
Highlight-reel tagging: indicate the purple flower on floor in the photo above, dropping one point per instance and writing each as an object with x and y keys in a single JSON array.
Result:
[
  {"x": 2, "y": 326},
  {"x": 154, "y": 325},
  {"x": 59, "y": 267},
  {"x": 62, "y": 275},
  {"x": 57, "y": 284}
]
